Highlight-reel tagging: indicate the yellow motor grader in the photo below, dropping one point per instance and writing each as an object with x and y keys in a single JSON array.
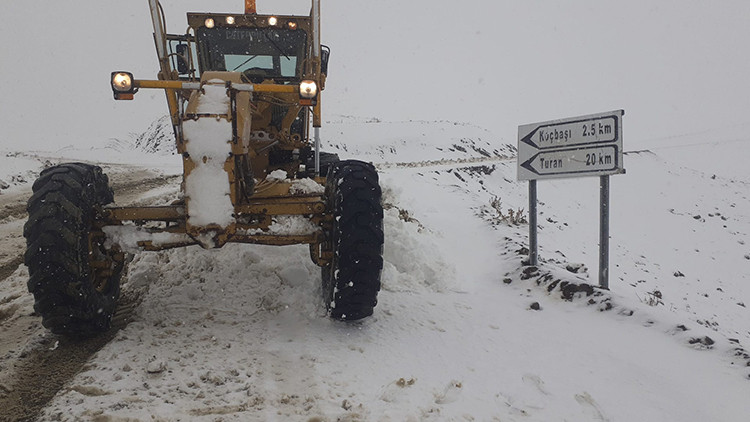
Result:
[{"x": 244, "y": 96}]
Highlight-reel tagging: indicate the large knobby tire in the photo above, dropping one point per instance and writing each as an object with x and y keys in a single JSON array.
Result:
[
  {"x": 74, "y": 279},
  {"x": 327, "y": 161},
  {"x": 352, "y": 281}
]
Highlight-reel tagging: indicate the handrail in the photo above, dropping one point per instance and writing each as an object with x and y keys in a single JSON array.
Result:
[{"x": 194, "y": 86}]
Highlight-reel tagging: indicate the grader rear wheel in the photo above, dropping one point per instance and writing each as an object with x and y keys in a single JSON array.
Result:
[
  {"x": 352, "y": 281},
  {"x": 74, "y": 278}
]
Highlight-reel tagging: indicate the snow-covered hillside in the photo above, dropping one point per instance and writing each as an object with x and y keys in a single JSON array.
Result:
[
  {"x": 676, "y": 67},
  {"x": 463, "y": 331}
]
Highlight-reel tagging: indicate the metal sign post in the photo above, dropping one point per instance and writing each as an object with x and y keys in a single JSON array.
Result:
[
  {"x": 533, "y": 248},
  {"x": 576, "y": 147},
  {"x": 604, "y": 232}
]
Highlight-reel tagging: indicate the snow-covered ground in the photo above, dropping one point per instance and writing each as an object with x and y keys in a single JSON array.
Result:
[{"x": 463, "y": 330}]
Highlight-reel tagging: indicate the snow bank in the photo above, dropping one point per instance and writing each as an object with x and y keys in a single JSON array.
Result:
[
  {"x": 412, "y": 261},
  {"x": 18, "y": 169}
]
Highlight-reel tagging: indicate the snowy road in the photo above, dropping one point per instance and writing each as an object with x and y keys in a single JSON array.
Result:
[{"x": 463, "y": 330}]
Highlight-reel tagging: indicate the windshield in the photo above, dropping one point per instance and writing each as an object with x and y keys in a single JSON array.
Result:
[{"x": 268, "y": 52}]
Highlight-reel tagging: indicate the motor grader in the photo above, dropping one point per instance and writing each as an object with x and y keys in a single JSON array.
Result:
[{"x": 244, "y": 97}]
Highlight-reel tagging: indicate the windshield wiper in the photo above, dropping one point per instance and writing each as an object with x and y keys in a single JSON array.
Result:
[
  {"x": 276, "y": 46},
  {"x": 244, "y": 63}
]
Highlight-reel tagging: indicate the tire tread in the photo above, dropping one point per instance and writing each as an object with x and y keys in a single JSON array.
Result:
[
  {"x": 61, "y": 210},
  {"x": 352, "y": 282}
]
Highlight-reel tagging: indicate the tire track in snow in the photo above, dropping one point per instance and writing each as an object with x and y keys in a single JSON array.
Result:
[
  {"x": 8, "y": 268},
  {"x": 52, "y": 361},
  {"x": 15, "y": 210},
  {"x": 447, "y": 162}
]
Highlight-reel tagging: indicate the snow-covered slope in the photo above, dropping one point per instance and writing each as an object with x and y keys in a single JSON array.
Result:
[{"x": 463, "y": 330}]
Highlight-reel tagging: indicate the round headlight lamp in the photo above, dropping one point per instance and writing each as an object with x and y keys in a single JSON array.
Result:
[
  {"x": 122, "y": 81},
  {"x": 308, "y": 89}
]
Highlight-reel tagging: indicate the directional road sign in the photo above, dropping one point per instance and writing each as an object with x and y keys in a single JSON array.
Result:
[{"x": 580, "y": 146}]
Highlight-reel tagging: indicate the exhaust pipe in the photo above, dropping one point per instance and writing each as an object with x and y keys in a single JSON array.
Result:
[
  {"x": 250, "y": 7},
  {"x": 315, "y": 14},
  {"x": 316, "y": 28}
]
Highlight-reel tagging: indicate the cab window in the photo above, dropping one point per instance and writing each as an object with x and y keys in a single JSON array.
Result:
[{"x": 269, "y": 52}]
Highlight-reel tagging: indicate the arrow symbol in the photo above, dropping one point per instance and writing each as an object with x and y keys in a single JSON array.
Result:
[
  {"x": 527, "y": 164},
  {"x": 586, "y": 130},
  {"x": 572, "y": 161}
]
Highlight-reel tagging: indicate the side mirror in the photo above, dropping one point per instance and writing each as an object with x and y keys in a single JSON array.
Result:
[
  {"x": 182, "y": 59},
  {"x": 325, "y": 53}
]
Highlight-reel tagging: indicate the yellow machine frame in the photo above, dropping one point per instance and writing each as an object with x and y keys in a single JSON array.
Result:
[{"x": 269, "y": 198}]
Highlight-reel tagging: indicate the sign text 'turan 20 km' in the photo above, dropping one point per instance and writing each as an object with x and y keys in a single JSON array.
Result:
[{"x": 580, "y": 146}]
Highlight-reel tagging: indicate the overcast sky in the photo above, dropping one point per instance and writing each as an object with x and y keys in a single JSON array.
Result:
[{"x": 676, "y": 66}]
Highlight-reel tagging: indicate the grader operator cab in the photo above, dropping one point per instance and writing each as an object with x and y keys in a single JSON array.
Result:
[{"x": 244, "y": 96}]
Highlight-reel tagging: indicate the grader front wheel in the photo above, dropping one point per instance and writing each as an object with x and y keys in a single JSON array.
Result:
[
  {"x": 74, "y": 278},
  {"x": 352, "y": 281}
]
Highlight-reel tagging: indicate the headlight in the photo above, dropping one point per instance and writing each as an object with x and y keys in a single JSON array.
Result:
[
  {"x": 273, "y": 20},
  {"x": 122, "y": 85},
  {"x": 122, "y": 81},
  {"x": 308, "y": 89}
]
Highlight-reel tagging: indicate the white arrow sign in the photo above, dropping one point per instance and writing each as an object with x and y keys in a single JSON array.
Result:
[
  {"x": 574, "y": 161},
  {"x": 580, "y": 146}
]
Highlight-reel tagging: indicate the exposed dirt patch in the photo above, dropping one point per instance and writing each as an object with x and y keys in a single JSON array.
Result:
[
  {"x": 9, "y": 267},
  {"x": 128, "y": 188},
  {"x": 14, "y": 205},
  {"x": 46, "y": 365}
]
